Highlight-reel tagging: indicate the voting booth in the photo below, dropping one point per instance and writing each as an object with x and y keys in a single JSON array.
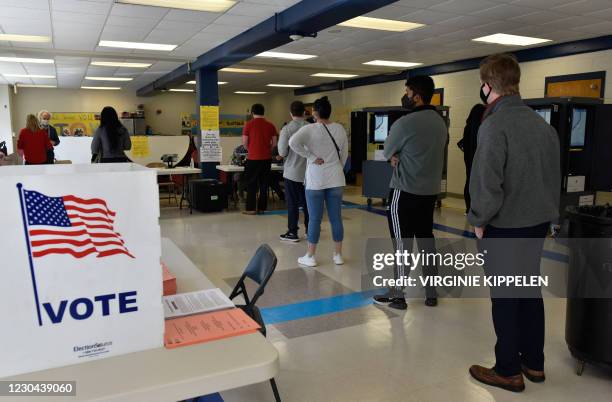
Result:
[{"x": 80, "y": 255}]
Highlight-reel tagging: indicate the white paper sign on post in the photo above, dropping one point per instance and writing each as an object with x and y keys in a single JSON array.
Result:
[
  {"x": 80, "y": 251},
  {"x": 210, "y": 150}
]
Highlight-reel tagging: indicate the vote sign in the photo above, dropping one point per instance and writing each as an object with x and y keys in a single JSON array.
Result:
[{"x": 80, "y": 253}]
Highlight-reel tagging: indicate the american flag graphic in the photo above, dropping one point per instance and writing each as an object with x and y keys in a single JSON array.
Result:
[{"x": 71, "y": 225}]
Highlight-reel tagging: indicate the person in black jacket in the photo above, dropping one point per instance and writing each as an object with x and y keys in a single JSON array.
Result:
[
  {"x": 468, "y": 145},
  {"x": 44, "y": 117}
]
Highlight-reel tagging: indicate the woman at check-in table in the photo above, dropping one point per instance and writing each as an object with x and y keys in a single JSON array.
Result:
[
  {"x": 111, "y": 139},
  {"x": 33, "y": 144},
  {"x": 325, "y": 147}
]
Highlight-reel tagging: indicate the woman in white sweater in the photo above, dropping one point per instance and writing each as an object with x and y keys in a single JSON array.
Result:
[{"x": 325, "y": 147}]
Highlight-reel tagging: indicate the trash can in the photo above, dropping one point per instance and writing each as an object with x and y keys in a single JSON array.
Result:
[{"x": 588, "y": 325}]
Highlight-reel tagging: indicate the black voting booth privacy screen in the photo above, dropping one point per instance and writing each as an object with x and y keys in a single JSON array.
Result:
[{"x": 588, "y": 326}]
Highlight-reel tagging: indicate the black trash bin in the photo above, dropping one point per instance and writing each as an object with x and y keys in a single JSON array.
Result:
[
  {"x": 588, "y": 326},
  {"x": 207, "y": 195}
]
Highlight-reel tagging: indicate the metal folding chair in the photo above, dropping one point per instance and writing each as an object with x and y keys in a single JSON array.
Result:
[{"x": 259, "y": 270}]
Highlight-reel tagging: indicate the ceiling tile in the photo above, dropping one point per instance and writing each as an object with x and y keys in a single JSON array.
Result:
[
  {"x": 463, "y": 6},
  {"x": 583, "y": 7},
  {"x": 128, "y": 10},
  {"x": 86, "y": 7},
  {"x": 542, "y": 4},
  {"x": 504, "y": 12},
  {"x": 539, "y": 17},
  {"x": 429, "y": 16},
  {"x": 191, "y": 16}
]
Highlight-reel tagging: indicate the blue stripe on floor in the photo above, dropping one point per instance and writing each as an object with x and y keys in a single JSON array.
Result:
[
  {"x": 207, "y": 398},
  {"x": 318, "y": 307},
  {"x": 551, "y": 255}
]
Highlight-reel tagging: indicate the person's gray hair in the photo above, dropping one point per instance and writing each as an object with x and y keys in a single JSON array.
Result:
[{"x": 43, "y": 112}]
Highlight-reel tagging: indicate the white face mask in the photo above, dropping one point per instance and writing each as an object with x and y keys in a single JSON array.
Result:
[{"x": 45, "y": 123}]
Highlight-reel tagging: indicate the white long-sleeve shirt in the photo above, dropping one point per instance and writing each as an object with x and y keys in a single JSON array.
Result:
[{"x": 312, "y": 142}]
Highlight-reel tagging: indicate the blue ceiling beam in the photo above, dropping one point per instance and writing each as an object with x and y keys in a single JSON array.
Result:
[
  {"x": 304, "y": 18},
  {"x": 525, "y": 55}
]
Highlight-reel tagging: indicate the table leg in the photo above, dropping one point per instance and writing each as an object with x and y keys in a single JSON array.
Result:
[{"x": 184, "y": 192}]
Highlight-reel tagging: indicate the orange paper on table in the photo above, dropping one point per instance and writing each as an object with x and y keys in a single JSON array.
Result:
[
  {"x": 169, "y": 281},
  {"x": 189, "y": 330}
]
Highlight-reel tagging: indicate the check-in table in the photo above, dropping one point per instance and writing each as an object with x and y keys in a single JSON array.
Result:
[
  {"x": 179, "y": 171},
  {"x": 230, "y": 170},
  {"x": 166, "y": 375}
]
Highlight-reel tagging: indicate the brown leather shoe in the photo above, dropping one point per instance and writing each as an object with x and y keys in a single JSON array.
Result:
[
  {"x": 249, "y": 212},
  {"x": 533, "y": 375},
  {"x": 490, "y": 377}
]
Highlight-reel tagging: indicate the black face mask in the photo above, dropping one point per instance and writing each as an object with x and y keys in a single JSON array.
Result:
[
  {"x": 407, "y": 103},
  {"x": 483, "y": 97}
]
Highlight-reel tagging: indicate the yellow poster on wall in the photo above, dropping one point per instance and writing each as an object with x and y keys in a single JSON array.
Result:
[
  {"x": 140, "y": 146},
  {"x": 75, "y": 124},
  {"x": 209, "y": 118}
]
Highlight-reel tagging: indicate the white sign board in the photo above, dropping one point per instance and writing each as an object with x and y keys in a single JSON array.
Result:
[
  {"x": 210, "y": 150},
  {"x": 74, "y": 149},
  {"x": 81, "y": 277},
  {"x": 575, "y": 184}
]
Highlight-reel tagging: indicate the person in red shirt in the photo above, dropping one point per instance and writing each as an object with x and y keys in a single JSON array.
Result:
[
  {"x": 33, "y": 144},
  {"x": 258, "y": 137}
]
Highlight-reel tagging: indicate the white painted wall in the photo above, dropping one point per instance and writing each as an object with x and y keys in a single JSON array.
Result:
[
  {"x": 6, "y": 125},
  {"x": 461, "y": 92}
]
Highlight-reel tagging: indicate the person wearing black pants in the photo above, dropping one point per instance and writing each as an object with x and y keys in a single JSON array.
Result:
[
  {"x": 294, "y": 173},
  {"x": 515, "y": 189},
  {"x": 411, "y": 216},
  {"x": 468, "y": 144},
  {"x": 518, "y": 322},
  {"x": 259, "y": 137},
  {"x": 415, "y": 147},
  {"x": 257, "y": 176},
  {"x": 296, "y": 198}
]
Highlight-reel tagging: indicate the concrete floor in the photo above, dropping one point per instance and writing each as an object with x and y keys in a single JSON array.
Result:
[{"x": 369, "y": 353}]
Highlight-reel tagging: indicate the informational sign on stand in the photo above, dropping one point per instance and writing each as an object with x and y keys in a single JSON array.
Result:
[
  {"x": 210, "y": 149},
  {"x": 80, "y": 264}
]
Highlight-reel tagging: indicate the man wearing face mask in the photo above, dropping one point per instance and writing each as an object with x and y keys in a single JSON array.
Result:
[
  {"x": 44, "y": 117},
  {"x": 415, "y": 148},
  {"x": 515, "y": 188}
]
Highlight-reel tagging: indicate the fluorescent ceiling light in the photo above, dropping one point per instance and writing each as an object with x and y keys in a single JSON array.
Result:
[
  {"x": 242, "y": 70},
  {"x": 381, "y": 24},
  {"x": 120, "y": 64},
  {"x": 334, "y": 75},
  {"x": 35, "y": 86},
  {"x": 180, "y": 90},
  {"x": 105, "y": 88},
  {"x": 26, "y": 60},
  {"x": 218, "y": 83},
  {"x": 137, "y": 45},
  {"x": 285, "y": 85},
  {"x": 213, "y": 6},
  {"x": 389, "y": 63},
  {"x": 510, "y": 40},
  {"x": 288, "y": 56},
  {"x": 249, "y": 93},
  {"x": 29, "y": 76},
  {"x": 24, "y": 38},
  {"x": 109, "y": 78}
]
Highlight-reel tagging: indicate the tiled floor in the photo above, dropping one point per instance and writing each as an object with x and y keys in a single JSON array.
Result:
[{"x": 368, "y": 353}]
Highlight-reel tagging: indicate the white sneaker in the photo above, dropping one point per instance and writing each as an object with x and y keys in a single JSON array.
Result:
[
  {"x": 338, "y": 260},
  {"x": 307, "y": 261}
]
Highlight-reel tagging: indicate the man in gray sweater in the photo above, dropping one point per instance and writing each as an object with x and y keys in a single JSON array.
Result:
[
  {"x": 293, "y": 172},
  {"x": 416, "y": 148},
  {"x": 515, "y": 188}
]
